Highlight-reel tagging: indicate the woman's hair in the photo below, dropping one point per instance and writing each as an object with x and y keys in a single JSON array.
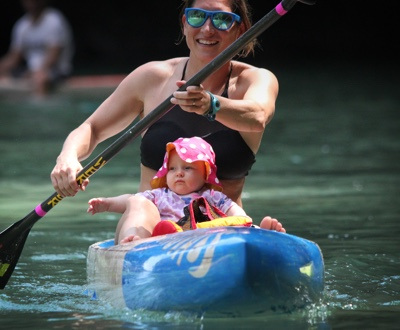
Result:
[{"x": 239, "y": 7}]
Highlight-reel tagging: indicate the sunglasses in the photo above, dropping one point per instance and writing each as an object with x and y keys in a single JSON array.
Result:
[{"x": 221, "y": 20}]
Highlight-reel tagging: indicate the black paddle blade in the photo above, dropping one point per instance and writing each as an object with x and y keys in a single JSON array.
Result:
[{"x": 12, "y": 242}]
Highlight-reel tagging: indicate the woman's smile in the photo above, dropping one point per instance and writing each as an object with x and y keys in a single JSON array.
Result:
[{"x": 207, "y": 42}]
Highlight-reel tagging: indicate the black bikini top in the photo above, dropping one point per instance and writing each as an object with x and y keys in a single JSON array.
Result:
[{"x": 228, "y": 144}]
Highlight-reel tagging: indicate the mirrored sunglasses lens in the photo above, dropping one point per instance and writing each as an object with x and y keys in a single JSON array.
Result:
[
  {"x": 196, "y": 18},
  {"x": 222, "y": 21}
]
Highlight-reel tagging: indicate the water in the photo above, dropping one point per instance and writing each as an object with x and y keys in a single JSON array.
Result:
[{"x": 328, "y": 168}]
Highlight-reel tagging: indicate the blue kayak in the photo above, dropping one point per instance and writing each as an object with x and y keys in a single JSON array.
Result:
[{"x": 236, "y": 270}]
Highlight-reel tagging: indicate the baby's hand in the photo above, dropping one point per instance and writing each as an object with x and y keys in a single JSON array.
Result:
[{"x": 97, "y": 205}]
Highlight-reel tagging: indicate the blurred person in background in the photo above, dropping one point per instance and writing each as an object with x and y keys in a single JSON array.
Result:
[{"x": 41, "y": 48}]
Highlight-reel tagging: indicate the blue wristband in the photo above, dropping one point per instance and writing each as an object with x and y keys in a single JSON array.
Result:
[{"x": 214, "y": 107}]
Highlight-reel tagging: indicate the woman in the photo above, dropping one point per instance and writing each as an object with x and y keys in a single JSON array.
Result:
[{"x": 230, "y": 109}]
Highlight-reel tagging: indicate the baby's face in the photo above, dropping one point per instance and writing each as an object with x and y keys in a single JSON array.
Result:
[{"x": 184, "y": 178}]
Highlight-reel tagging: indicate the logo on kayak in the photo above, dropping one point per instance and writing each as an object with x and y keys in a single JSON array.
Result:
[
  {"x": 198, "y": 251},
  {"x": 307, "y": 269}
]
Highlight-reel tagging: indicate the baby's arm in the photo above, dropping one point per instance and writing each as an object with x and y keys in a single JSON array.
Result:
[{"x": 115, "y": 204}]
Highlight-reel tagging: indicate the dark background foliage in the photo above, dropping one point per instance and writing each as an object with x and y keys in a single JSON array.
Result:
[{"x": 119, "y": 35}]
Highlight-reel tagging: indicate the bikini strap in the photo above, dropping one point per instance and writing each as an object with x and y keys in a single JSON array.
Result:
[
  {"x": 184, "y": 70},
  {"x": 225, "y": 91}
]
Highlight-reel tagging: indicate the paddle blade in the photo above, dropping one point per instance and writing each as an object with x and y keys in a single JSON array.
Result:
[{"x": 12, "y": 242}]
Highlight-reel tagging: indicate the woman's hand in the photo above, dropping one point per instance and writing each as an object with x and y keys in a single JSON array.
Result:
[
  {"x": 195, "y": 99},
  {"x": 63, "y": 177}
]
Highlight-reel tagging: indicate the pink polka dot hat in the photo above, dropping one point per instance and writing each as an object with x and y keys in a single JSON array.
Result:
[{"x": 190, "y": 150}]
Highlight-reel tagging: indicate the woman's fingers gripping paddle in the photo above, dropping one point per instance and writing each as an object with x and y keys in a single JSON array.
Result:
[
  {"x": 194, "y": 99},
  {"x": 63, "y": 178}
]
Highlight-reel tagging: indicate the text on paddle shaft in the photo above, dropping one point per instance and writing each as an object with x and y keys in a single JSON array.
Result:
[
  {"x": 91, "y": 170},
  {"x": 53, "y": 202}
]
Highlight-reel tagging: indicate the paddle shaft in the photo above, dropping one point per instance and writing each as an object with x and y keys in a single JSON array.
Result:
[{"x": 14, "y": 236}]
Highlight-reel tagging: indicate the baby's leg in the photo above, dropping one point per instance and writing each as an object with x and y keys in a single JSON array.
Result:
[
  {"x": 272, "y": 224},
  {"x": 138, "y": 220}
]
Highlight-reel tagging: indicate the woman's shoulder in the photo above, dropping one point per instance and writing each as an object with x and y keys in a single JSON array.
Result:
[
  {"x": 242, "y": 68},
  {"x": 150, "y": 73},
  {"x": 160, "y": 68},
  {"x": 249, "y": 75},
  {"x": 156, "y": 72}
]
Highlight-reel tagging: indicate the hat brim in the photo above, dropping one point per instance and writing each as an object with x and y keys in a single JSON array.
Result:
[{"x": 160, "y": 180}]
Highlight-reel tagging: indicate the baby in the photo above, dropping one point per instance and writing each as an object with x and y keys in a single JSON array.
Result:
[{"x": 188, "y": 172}]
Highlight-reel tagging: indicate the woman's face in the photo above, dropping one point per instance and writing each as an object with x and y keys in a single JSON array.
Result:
[{"x": 206, "y": 42}]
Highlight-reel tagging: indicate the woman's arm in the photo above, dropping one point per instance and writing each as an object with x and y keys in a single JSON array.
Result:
[
  {"x": 110, "y": 118},
  {"x": 251, "y": 103}
]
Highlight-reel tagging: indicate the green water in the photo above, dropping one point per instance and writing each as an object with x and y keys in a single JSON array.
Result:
[{"x": 328, "y": 168}]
